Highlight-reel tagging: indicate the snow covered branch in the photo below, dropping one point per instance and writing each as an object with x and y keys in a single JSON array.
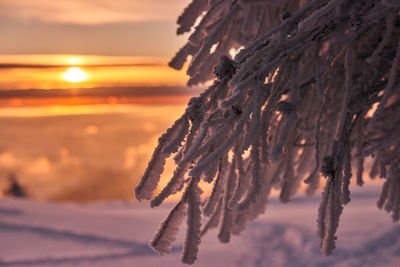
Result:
[{"x": 314, "y": 90}]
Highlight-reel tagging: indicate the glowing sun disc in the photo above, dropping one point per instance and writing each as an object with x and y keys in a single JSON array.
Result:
[{"x": 75, "y": 75}]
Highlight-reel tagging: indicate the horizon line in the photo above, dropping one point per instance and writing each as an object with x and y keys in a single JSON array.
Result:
[{"x": 102, "y": 91}]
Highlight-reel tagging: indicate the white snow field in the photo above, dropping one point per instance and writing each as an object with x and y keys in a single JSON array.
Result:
[{"x": 118, "y": 233}]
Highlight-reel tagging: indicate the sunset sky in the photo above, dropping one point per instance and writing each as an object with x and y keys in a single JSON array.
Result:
[
  {"x": 118, "y": 43},
  {"x": 100, "y": 27},
  {"x": 85, "y": 92}
]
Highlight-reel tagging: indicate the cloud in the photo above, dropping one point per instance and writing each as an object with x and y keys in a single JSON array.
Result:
[
  {"x": 39, "y": 166},
  {"x": 8, "y": 160},
  {"x": 49, "y": 66},
  {"x": 91, "y": 11}
]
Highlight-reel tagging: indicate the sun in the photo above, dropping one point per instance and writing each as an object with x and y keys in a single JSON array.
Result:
[{"x": 75, "y": 75}]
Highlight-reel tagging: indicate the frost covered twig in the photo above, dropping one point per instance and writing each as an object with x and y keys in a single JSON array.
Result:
[{"x": 298, "y": 100}]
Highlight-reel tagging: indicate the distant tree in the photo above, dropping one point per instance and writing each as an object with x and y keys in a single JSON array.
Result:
[
  {"x": 313, "y": 90},
  {"x": 15, "y": 189}
]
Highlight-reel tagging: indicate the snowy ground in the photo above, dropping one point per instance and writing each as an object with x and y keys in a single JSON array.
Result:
[{"x": 117, "y": 234}]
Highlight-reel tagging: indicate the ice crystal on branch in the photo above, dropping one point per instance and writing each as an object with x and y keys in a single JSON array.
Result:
[{"x": 313, "y": 91}]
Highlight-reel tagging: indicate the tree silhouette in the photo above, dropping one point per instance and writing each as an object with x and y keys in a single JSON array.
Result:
[
  {"x": 15, "y": 189},
  {"x": 313, "y": 89}
]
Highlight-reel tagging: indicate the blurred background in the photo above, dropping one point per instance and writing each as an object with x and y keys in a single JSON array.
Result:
[{"x": 85, "y": 91}]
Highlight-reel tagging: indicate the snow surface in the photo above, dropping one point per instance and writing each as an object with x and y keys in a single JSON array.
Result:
[{"x": 117, "y": 234}]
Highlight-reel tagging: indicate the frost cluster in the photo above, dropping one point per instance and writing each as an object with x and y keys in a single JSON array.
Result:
[{"x": 313, "y": 91}]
